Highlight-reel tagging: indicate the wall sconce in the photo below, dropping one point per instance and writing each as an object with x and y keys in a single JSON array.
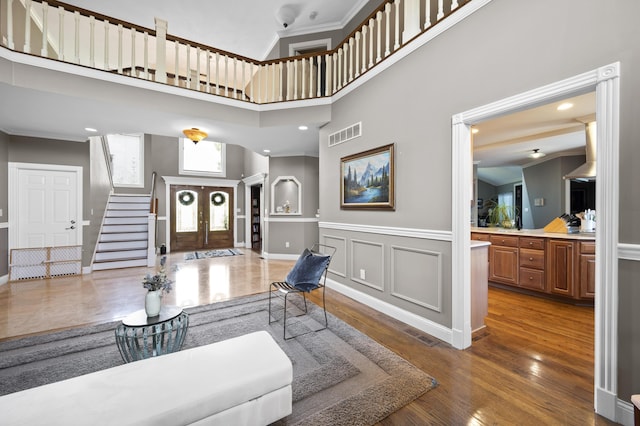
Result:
[{"x": 196, "y": 135}]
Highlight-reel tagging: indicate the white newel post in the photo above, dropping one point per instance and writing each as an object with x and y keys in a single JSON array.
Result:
[
  {"x": 411, "y": 20},
  {"x": 151, "y": 240},
  {"x": 161, "y": 50}
]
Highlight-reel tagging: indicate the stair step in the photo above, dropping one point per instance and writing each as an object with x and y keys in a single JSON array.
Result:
[
  {"x": 126, "y": 220},
  {"x": 111, "y": 229},
  {"x": 127, "y": 213},
  {"x": 126, "y": 236},
  {"x": 101, "y": 266},
  {"x": 122, "y": 198},
  {"x": 128, "y": 206},
  {"x": 121, "y": 245},
  {"x": 110, "y": 256}
]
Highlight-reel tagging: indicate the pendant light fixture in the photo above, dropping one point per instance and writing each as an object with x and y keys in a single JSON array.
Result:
[{"x": 196, "y": 135}]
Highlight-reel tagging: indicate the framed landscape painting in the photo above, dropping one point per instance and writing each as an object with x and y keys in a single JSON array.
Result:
[{"x": 367, "y": 179}]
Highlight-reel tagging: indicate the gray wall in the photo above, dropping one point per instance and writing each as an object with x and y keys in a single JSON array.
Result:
[
  {"x": 100, "y": 190},
  {"x": 299, "y": 231},
  {"x": 497, "y": 52},
  {"x": 4, "y": 203}
]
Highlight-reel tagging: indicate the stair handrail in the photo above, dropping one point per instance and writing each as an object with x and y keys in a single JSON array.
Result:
[{"x": 108, "y": 159}]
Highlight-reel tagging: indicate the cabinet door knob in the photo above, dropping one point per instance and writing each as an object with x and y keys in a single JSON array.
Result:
[
  {"x": 530, "y": 278},
  {"x": 531, "y": 258},
  {"x": 530, "y": 243}
]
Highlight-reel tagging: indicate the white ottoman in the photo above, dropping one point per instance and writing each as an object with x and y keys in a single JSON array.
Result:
[{"x": 241, "y": 381}]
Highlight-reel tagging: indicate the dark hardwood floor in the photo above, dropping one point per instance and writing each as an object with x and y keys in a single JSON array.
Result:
[{"x": 532, "y": 365}]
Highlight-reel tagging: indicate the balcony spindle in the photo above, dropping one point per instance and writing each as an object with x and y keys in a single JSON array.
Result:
[
  {"x": 146, "y": 55},
  {"x": 107, "y": 66},
  {"x": 10, "y": 43},
  {"x": 357, "y": 55},
  {"x": 295, "y": 79},
  {"x": 27, "y": 26},
  {"x": 396, "y": 45},
  {"x": 45, "y": 30},
  {"x": 197, "y": 75},
  {"x": 427, "y": 14},
  {"x": 61, "y": 33},
  {"x": 252, "y": 79},
  {"x": 351, "y": 55},
  {"x": 387, "y": 30},
  {"x": 303, "y": 83},
  {"x": 454, "y": 5},
  {"x": 274, "y": 81},
  {"x": 208, "y": 83},
  {"x": 235, "y": 75},
  {"x": 187, "y": 72},
  {"x": 440, "y": 10},
  {"x": 92, "y": 41},
  {"x": 339, "y": 75},
  {"x": 244, "y": 79},
  {"x": 281, "y": 77},
  {"x": 217, "y": 73},
  {"x": 76, "y": 46},
  {"x": 379, "y": 37},
  {"x": 226, "y": 76},
  {"x": 371, "y": 31},
  {"x": 119, "y": 48},
  {"x": 365, "y": 30},
  {"x": 133, "y": 52},
  {"x": 176, "y": 77},
  {"x": 329, "y": 75},
  {"x": 260, "y": 69},
  {"x": 319, "y": 76}
]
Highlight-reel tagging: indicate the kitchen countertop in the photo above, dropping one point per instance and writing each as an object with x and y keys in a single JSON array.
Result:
[{"x": 588, "y": 236}]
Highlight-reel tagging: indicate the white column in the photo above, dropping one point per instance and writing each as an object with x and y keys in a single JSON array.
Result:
[
  {"x": 411, "y": 19},
  {"x": 161, "y": 50}
]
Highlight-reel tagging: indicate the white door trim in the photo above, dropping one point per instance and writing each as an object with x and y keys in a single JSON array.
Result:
[
  {"x": 606, "y": 82},
  {"x": 14, "y": 183},
  {"x": 257, "y": 179}
]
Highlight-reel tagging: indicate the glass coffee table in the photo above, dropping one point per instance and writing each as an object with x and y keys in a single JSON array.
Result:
[{"x": 139, "y": 337}]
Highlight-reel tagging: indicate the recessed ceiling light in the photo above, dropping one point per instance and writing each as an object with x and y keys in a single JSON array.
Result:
[
  {"x": 266, "y": 151},
  {"x": 565, "y": 106},
  {"x": 302, "y": 127},
  {"x": 90, "y": 129}
]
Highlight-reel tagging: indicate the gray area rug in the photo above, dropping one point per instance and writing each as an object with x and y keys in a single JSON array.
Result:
[
  {"x": 340, "y": 376},
  {"x": 211, "y": 253}
]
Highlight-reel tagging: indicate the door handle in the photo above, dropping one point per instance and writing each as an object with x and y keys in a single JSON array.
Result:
[
  {"x": 206, "y": 232},
  {"x": 71, "y": 227}
]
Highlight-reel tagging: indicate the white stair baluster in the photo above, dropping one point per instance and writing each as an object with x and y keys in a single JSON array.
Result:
[
  {"x": 146, "y": 55},
  {"x": 427, "y": 14},
  {"x": 351, "y": 55},
  {"x": 365, "y": 30},
  {"x": 303, "y": 83},
  {"x": 440, "y": 10},
  {"x": 134, "y": 72},
  {"x": 92, "y": 45},
  {"x": 107, "y": 66},
  {"x": 371, "y": 31},
  {"x": 387, "y": 30},
  {"x": 61, "y": 33},
  {"x": 76, "y": 41},
  {"x": 27, "y": 26},
  {"x": 176, "y": 78},
  {"x": 119, "y": 48},
  {"x": 45, "y": 30},
  {"x": 379, "y": 37},
  {"x": 339, "y": 76},
  {"x": 357, "y": 55},
  {"x": 217, "y": 73},
  {"x": 10, "y": 43},
  {"x": 188, "y": 68}
]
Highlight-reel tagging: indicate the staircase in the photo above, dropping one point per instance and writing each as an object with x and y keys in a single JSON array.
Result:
[{"x": 123, "y": 240}]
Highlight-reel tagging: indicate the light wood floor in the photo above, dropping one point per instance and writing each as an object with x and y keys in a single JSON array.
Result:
[{"x": 533, "y": 365}]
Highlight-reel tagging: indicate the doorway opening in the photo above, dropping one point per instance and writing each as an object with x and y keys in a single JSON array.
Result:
[{"x": 256, "y": 226}]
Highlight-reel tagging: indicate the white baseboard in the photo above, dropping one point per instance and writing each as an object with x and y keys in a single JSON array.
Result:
[
  {"x": 624, "y": 413},
  {"x": 434, "y": 329},
  {"x": 4, "y": 279},
  {"x": 87, "y": 269},
  {"x": 280, "y": 256}
]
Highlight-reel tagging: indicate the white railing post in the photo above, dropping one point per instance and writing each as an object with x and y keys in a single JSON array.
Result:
[
  {"x": 427, "y": 14},
  {"x": 339, "y": 75},
  {"x": 371, "y": 31},
  {"x": 27, "y": 26},
  {"x": 187, "y": 72},
  {"x": 440, "y": 10},
  {"x": 146, "y": 55},
  {"x": 218, "y": 73},
  {"x": 379, "y": 37},
  {"x": 76, "y": 50},
  {"x": 235, "y": 78},
  {"x": 61, "y": 33},
  {"x": 311, "y": 80},
  {"x": 364, "y": 47},
  {"x": 295, "y": 79},
  {"x": 10, "y": 43},
  {"x": 357, "y": 65},
  {"x": 133, "y": 53},
  {"x": 106, "y": 45},
  {"x": 281, "y": 91},
  {"x": 303, "y": 83},
  {"x": 161, "y": 50},
  {"x": 45, "y": 30},
  {"x": 119, "y": 48},
  {"x": 454, "y": 5},
  {"x": 92, "y": 45},
  {"x": 351, "y": 55},
  {"x": 208, "y": 84},
  {"x": 411, "y": 19},
  {"x": 176, "y": 78},
  {"x": 319, "y": 76},
  {"x": 387, "y": 30},
  {"x": 151, "y": 240},
  {"x": 226, "y": 76}
]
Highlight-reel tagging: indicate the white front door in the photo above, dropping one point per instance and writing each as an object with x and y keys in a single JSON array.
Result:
[{"x": 48, "y": 200}]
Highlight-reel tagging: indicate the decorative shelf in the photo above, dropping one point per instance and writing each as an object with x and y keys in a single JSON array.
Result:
[{"x": 286, "y": 196}]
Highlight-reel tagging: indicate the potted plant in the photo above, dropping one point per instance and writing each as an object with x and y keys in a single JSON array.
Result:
[{"x": 501, "y": 214}]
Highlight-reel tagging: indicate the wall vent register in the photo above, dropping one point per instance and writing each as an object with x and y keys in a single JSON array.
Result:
[{"x": 345, "y": 134}]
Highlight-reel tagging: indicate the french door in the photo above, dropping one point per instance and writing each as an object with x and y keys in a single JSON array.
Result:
[{"x": 201, "y": 217}]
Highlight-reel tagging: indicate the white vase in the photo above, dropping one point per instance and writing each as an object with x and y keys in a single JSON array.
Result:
[{"x": 152, "y": 303}]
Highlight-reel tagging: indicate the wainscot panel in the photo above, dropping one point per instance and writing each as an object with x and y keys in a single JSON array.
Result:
[
  {"x": 338, "y": 264},
  {"x": 416, "y": 276},
  {"x": 367, "y": 263}
]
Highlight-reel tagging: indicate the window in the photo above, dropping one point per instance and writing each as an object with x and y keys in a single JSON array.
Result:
[
  {"x": 127, "y": 160},
  {"x": 205, "y": 158}
]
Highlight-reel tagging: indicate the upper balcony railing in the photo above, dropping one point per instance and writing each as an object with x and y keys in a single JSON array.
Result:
[{"x": 65, "y": 33}]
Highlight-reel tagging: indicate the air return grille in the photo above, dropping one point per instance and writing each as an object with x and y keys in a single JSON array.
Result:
[{"x": 345, "y": 134}]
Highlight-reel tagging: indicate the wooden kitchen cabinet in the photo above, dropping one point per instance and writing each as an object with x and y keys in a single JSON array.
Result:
[
  {"x": 561, "y": 267},
  {"x": 532, "y": 263},
  {"x": 503, "y": 259},
  {"x": 587, "y": 270}
]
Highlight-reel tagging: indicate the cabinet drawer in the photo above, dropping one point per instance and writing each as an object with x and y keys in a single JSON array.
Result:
[
  {"x": 532, "y": 243},
  {"x": 532, "y": 278},
  {"x": 587, "y": 247},
  {"x": 532, "y": 258},
  {"x": 480, "y": 237},
  {"x": 499, "y": 240}
]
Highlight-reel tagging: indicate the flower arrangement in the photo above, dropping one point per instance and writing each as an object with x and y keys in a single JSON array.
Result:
[{"x": 158, "y": 281}]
